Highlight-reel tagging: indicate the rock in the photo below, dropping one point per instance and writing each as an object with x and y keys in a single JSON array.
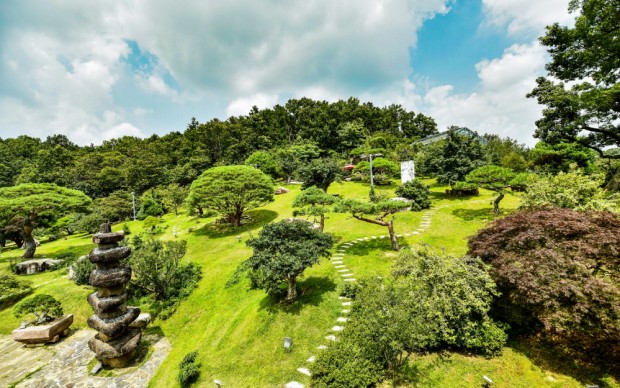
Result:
[
  {"x": 44, "y": 333},
  {"x": 108, "y": 255},
  {"x": 110, "y": 278},
  {"x": 281, "y": 190},
  {"x": 113, "y": 327},
  {"x": 96, "y": 368},
  {"x": 34, "y": 266},
  {"x": 142, "y": 321},
  {"x": 118, "y": 347},
  {"x": 106, "y": 305},
  {"x": 108, "y": 238}
]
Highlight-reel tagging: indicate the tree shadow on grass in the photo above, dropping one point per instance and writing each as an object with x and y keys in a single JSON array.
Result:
[
  {"x": 438, "y": 196},
  {"x": 484, "y": 214},
  {"x": 363, "y": 248},
  {"x": 258, "y": 218},
  {"x": 586, "y": 367},
  {"x": 311, "y": 292}
]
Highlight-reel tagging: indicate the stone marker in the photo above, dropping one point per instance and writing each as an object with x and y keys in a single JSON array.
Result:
[{"x": 118, "y": 338}]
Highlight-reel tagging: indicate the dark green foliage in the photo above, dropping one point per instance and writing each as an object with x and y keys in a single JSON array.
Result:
[
  {"x": 585, "y": 57},
  {"x": 82, "y": 270},
  {"x": 126, "y": 230},
  {"x": 520, "y": 181},
  {"x": 320, "y": 173},
  {"x": 416, "y": 191},
  {"x": 150, "y": 208},
  {"x": 88, "y": 223},
  {"x": 383, "y": 170},
  {"x": 314, "y": 201},
  {"x": 282, "y": 251},
  {"x": 115, "y": 207},
  {"x": 463, "y": 189},
  {"x": 554, "y": 158},
  {"x": 189, "y": 370},
  {"x": 460, "y": 155},
  {"x": 557, "y": 272},
  {"x": 349, "y": 290},
  {"x": 43, "y": 306},
  {"x": 231, "y": 190},
  {"x": 13, "y": 289},
  {"x": 492, "y": 178}
]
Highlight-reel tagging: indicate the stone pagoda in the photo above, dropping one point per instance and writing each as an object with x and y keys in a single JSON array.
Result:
[{"x": 117, "y": 340}]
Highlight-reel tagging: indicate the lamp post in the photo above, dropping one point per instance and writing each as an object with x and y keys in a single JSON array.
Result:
[
  {"x": 133, "y": 202},
  {"x": 372, "y": 181}
]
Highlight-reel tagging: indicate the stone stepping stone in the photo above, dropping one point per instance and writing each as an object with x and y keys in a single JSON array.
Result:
[
  {"x": 311, "y": 359},
  {"x": 343, "y": 298},
  {"x": 346, "y": 275},
  {"x": 399, "y": 236},
  {"x": 321, "y": 347},
  {"x": 407, "y": 234},
  {"x": 349, "y": 280},
  {"x": 341, "y": 319},
  {"x": 347, "y": 303},
  {"x": 344, "y": 270},
  {"x": 337, "y": 328},
  {"x": 331, "y": 337},
  {"x": 337, "y": 262},
  {"x": 374, "y": 237},
  {"x": 381, "y": 236},
  {"x": 339, "y": 266},
  {"x": 345, "y": 311},
  {"x": 294, "y": 384},
  {"x": 304, "y": 371},
  {"x": 415, "y": 232}
]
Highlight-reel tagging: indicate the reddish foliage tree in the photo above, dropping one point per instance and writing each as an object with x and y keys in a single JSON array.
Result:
[{"x": 558, "y": 271}]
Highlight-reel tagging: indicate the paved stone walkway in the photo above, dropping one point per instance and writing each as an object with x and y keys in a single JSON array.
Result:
[{"x": 65, "y": 364}]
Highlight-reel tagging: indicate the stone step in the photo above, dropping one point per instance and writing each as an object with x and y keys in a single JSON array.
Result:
[
  {"x": 337, "y": 328},
  {"x": 304, "y": 371},
  {"x": 349, "y": 280},
  {"x": 311, "y": 359},
  {"x": 342, "y": 319}
]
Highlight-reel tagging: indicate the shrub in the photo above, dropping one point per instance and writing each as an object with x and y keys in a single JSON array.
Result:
[
  {"x": 417, "y": 192},
  {"x": 43, "y": 306},
  {"x": 350, "y": 290},
  {"x": 345, "y": 364},
  {"x": 150, "y": 208},
  {"x": 82, "y": 269},
  {"x": 520, "y": 181},
  {"x": 189, "y": 370},
  {"x": 126, "y": 230},
  {"x": 555, "y": 270},
  {"x": 13, "y": 289}
]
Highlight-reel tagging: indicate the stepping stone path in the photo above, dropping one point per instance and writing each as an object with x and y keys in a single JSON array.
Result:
[{"x": 337, "y": 261}]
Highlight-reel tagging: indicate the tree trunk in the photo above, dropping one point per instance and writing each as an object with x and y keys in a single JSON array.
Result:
[
  {"x": 200, "y": 211},
  {"x": 236, "y": 217},
  {"x": 292, "y": 289},
  {"x": 322, "y": 224},
  {"x": 289, "y": 178},
  {"x": 29, "y": 243},
  {"x": 393, "y": 238},
  {"x": 496, "y": 203},
  {"x": 18, "y": 240}
]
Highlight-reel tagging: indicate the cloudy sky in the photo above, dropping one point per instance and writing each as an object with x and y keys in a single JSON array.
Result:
[{"x": 97, "y": 70}]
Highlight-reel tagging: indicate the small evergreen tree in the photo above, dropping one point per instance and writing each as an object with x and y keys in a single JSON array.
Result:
[{"x": 416, "y": 191}]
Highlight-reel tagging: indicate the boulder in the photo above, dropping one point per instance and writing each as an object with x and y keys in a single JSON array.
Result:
[
  {"x": 142, "y": 321},
  {"x": 50, "y": 332},
  {"x": 281, "y": 190},
  {"x": 108, "y": 255},
  {"x": 110, "y": 278}
]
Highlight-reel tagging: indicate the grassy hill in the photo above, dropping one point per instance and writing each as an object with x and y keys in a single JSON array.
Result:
[{"x": 238, "y": 332}]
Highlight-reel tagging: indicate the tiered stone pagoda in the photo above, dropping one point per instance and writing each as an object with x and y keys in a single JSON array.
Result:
[{"x": 117, "y": 340}]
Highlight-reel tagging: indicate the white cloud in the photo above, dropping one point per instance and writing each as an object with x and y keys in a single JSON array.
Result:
[
  {"x": 500, "y": 106},
  {"x": 522, "y": 16},
  {"x": 243, "y": 105}
]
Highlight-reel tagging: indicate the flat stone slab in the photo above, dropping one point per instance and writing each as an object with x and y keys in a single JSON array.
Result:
[
  {"x": 331, "y": 337},
  {"x": 340, "y": 266},
  {"x": 337, "y": 328},
  {"x": 343, "y": 298},
  {"x": 344, "y": 270},
  {"x": 108, "y": 238},
  {"x": 345, "y": 311},
  {"x": 294, "y": 384},
  {"x": 342, "y": 319},
  {"x": 321, "y": 347},
  {"x": 349, "y": 280},
  {"x": 304, "y": 371},
  {"x": 346, "y": 275},
  {"x": 34, "y": 266},
  {"x": 44, "y": 333},
  {"x": 311, "y": 359},
  {"x": 347, "y": 303}
]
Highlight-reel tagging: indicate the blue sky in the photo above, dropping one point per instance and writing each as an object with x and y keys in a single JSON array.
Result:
[{"x": 94, "y": 71}]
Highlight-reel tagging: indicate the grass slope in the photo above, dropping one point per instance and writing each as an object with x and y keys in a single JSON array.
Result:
[{"x": 239, "y": 332}]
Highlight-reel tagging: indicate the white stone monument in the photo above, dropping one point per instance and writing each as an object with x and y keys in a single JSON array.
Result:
[{"x": 407, "y": 171}]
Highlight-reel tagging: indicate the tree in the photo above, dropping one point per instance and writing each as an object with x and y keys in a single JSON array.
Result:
[
  {"x": 493, "y": 178},
  {"x": 460, "y": 155},
  {"x": 382, "y": 169},
  {"x": 320, "y": 173},
  {"x": 586, "y": 57},
  {"x": 360, "y": 210},
  {"x": 231, "y": 190},
  {"x": 430, "y": 302},
  {"x": 314, "y": 200},
  {"x": 156, "y": 264},
  {"x": 115, "y": 207},
  {"x": 571, "y": 190},
  {"x": 27, "y": 206},
  {"x": 557, "y": 271},
  {"x": 174, "y": 195},
  {"x": 282, "y": 251},
  {"x": 264, "y": 161},
  {"x": 554, "y": 158},
  {"x": 417, "y": 192},
  {"x": 43, "y": 306}
]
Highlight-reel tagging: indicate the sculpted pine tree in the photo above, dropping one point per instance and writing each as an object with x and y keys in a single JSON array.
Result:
[
  {"x": 315, "y": 201},
  {"x": 30, "y": 205},
  {"x": 493, "y": 178},
  {"x": 231, "y": 190}
]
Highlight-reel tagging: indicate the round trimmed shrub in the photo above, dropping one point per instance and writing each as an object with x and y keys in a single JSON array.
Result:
[{"x": 417, "y": 192}]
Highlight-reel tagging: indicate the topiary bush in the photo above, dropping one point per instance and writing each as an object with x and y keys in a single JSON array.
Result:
[
  {"x": 417, "y": 192},
  {"x": 463, "y": 189}
]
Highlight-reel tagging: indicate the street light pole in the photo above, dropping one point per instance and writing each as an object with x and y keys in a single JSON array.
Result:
[
  {"x": 133, "y": 202},
  {"x": 372, "y": 182}
]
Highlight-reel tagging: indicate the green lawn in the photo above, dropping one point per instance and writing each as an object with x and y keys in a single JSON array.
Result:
[{"x": 239, "y": 332}]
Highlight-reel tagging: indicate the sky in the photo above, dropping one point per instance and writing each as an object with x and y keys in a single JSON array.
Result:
[{"x": 98, "y": 70}]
